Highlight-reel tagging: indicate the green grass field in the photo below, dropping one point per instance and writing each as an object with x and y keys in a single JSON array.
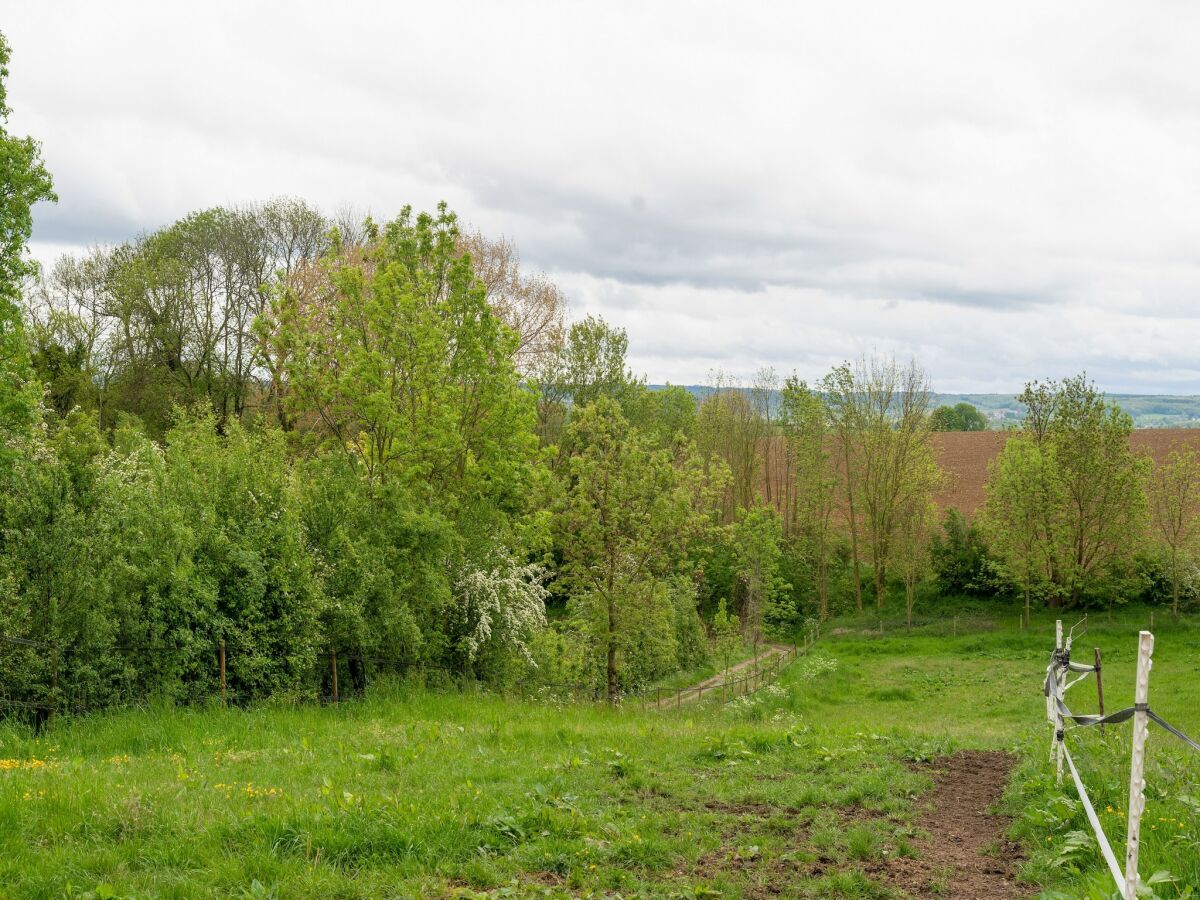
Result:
[{"x": 415, "y": 793}]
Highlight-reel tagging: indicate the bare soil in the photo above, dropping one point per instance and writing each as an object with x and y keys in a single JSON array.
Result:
[{"x": 966, "y": 855}]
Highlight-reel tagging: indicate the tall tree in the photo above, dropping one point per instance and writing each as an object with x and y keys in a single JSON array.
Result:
[
  {"x": 730, "y": 425},
  {"x": 880, "y": 422},
  {"x": 1071, "y": 483},
  {"x": 1019, "y": 517},
  {"x": 590, "y": 364},
  {"x": 758, "y": 549},
  {"x": 402, "y": 365},
  {"x": 911, "y": 547},
  {"x": 805, "y": 419},
  {"x": 623, "y": 524},
  {"x": 24, "y": 181},
  {"x": 1173, "y": 490}
]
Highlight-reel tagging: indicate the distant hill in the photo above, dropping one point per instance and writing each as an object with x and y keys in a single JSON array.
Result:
[{"x": 1147, "y": 410}]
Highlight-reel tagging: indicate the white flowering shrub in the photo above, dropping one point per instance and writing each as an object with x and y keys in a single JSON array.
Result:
[{"x": 501, "y": 607}]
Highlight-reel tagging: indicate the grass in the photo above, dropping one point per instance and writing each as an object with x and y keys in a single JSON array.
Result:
[{"x": 411, "y": 793}]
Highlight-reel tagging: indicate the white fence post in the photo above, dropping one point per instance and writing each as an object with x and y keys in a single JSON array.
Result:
[
  {"x": 1137, "y": 784},
  {"x": 1056, "y": 747}
]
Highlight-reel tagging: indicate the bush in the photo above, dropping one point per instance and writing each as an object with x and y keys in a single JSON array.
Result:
[{"x": 960, "y": 558}]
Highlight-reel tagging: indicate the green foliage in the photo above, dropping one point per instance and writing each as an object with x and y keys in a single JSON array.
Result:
[
  {"x": 959, "y": 417},
  {"x": 624, "y": 523},
  {"x": 727, "y": 635},
  {"x": 25, "y": 182},
  {"x": 1066, "y": 508},
  {"x": 758, "y": 552},
  {"x": 960, "y": 557},
  {"x": 407, "y": 370}
]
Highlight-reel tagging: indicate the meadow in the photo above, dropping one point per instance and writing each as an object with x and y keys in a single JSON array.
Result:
[{"x": 807, "y": 789}]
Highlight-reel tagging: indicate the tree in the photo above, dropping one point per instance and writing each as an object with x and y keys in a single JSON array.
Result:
[
  {"x": 959, "y": 556},
  {"x": 727, "y": 634},
  {"x": 1065, "y": 498},
  {"x": 623, "y": 524},
  {"x": 730, "y": 426},
  {"x": 847, "y": 418},
  {"x": 805, "y": 419},
  {"x": 169, "y": 318},
  {"x": 1019, "y": 516},
  {"x": 960, "y": 417},
  {"x": 1173, "y": 489},
  {"x": 591, "y": 364},
  {"x": 911, "y": 547},
  {"x": 402, "y": 366},
  {"x": 757, "y": 541},
  {"x": 880, "y": 424},
  {"x": 532, "y": 306},
  {"x": 24, "y": 182}
]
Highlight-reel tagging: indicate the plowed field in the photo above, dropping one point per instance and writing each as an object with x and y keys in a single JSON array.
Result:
[{"x": 965, "y": 456}]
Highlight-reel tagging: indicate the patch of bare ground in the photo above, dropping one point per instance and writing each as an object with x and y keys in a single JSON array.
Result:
[{"x": 966, "y": 854}]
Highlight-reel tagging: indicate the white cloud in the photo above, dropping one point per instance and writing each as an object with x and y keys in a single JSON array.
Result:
[{"x": 1006, "y": 191}]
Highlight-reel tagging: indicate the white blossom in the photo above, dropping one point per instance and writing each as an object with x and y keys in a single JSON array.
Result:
[{"x": 502, "y": 605}]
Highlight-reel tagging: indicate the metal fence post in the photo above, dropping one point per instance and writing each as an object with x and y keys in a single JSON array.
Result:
[
  {"x": 221, "y": 659},
  {"x": 1099, "y": 689},
  {"x": 1137, "y": 783}
]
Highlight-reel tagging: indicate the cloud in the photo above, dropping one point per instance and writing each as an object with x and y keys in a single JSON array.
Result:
[{"x": 941, "y": 178}]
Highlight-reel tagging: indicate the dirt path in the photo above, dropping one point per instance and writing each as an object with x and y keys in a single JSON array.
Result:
[
  {"x": 966, "y": 854},
  {"x": 692, "y": 692}
]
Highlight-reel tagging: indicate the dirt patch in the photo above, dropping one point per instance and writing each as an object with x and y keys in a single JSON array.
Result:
[{"x": 966, "y": 854}]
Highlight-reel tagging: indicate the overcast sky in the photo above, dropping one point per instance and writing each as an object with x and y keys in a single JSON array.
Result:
[{"x": 1005, "y": 191}]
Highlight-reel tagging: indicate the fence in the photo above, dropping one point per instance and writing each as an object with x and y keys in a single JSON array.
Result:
[
  {"x": 44, "y": 701},
  {"x": 727, "y": 689},
  {"x": 1059, "y": 714},
  {"x": 335, "y": 664}
]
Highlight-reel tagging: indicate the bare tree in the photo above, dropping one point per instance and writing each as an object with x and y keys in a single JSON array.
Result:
[{"x": 530, "y": 304}]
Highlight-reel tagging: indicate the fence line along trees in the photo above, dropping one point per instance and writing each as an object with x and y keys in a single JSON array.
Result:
[{"x": 1173, "y": 489}]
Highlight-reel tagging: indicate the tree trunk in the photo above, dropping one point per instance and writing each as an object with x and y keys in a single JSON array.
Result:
[
  {"x": 611, "y": 668},
  {"x": 1174, "y": 585}
]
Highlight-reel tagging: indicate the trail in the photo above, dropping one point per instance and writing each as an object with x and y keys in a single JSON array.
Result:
[
  {"x": 966, "y": 855},
  {"x": 696, "y": 690}
]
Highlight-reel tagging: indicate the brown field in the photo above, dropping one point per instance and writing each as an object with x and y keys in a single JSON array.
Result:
[{"x": 965, "y": 455}]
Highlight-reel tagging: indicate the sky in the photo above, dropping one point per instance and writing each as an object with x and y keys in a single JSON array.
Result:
[{"x": 1002, "y": 191}]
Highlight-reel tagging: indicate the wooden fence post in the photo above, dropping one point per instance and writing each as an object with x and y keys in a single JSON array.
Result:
[
  {"x": 1099, "y": 689},
  {"x": 221, "y": 659},
  {"x": 1137, "y": 783},
  {"x": 53, "y": 685},
  {"x": 333, "y": 671}
]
